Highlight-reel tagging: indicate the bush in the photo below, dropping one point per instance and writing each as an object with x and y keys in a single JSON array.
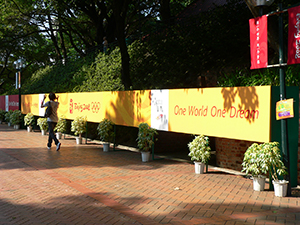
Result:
[
  {"x": 42, "y": 123},
  {"x": 199, "y": 149},
  {"x": 29, "y": 119},
  {"x": 145, "y": 139},
  {"x": 15, "y": 117},
  {"x": 2, "y": 114},
  {"x": 106, "y": 130},
  {"x": 78, "y": 126},
  {"x": 61, "y": 125}
]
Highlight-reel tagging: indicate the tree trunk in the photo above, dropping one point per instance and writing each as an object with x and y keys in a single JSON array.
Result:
[{"x": 120, "y": 10}]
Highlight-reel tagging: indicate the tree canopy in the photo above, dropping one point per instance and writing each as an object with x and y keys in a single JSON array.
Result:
[{"x": 150, "y": 46}]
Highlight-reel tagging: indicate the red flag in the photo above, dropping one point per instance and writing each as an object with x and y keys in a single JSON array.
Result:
[
  {"x": 294, "y": 35},
  {"x": 259, "y": 42}
]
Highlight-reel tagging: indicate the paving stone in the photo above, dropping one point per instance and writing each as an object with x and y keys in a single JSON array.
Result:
[{"x": 81, "y": 184}]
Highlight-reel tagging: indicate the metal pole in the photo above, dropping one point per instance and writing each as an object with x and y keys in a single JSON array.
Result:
[
  {"x": 20, "y": 98},
  {"x": 284, "y": 136},
  {"x": 19, "y": 83}
]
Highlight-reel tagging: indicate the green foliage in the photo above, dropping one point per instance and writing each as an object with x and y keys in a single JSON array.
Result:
[
  {"x": 15, "y": 117},
  {"x": 270, "y": 76},
  {"x": 42, "y": 123},
  {"x": 29, "y": 119},
  {"x": 61, "y": 125},
  {"x": 104, "y": 74},
  {"x": 7, "y": 116},
  {"x": 172, "y": 55},
  {"x": 264, "y": 158},
  {"x": 145, "y": 138},
  {"x": 2, "y": 114},
  {"x": 78, "y": 126},
  {"x": 57, "y": 78},
  {"x": 199, "y": 149},
  {"x": 176, "y": 56},
  {"x": 106, "y": 130}
]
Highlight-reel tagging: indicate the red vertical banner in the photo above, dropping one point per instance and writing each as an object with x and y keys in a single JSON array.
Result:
[
  {"x": 259, "y": 42},
  {"x": 294, "y": 35}
]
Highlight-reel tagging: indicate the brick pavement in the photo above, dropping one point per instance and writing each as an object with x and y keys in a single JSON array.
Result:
[{"x": 81, "y": 184}]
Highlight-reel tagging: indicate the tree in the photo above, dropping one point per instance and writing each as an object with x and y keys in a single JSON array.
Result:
[{"x": 19, "y": 39}]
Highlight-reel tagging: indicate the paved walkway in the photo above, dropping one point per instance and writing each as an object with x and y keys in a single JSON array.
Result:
[{"x": 81, "y": 184}]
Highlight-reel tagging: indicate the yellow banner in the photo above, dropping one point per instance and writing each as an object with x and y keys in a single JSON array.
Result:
[
  {"x": 128, "y": 108},
  {"x": 238, "y": 112}
]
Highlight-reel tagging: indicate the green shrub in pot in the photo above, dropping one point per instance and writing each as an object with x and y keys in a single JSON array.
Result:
[
  {"x": 145, "y": 139},
  {"x": 29, "y": 119},
  {"x": 15, "y": 117},
  {"x": 106, "y": 130},
  {"x": 42, "y": 123},
  {"x": 61, "y": 125},
  {"x": 78, "y": 125},
  {"x": 259, "y": 159},
  {"x": 199, "y": 149}
]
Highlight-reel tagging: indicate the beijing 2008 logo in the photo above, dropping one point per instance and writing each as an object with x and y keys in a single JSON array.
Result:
[{"x": 96, "y": 107}]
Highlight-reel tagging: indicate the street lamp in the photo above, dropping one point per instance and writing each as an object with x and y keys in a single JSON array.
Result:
[
  {"x": 281, "y": 65},
  {"x": 18, "y": 65},
  {"x": 261, "y": 4}
]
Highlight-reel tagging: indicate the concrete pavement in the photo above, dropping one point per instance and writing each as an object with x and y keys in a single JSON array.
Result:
[{"x": 81, "y": 184}]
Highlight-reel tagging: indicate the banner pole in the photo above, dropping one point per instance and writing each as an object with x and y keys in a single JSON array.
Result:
[{"x": 284, "y": 136}]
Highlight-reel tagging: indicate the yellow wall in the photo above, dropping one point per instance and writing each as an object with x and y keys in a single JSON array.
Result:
[{"x": 238, "y": 113}]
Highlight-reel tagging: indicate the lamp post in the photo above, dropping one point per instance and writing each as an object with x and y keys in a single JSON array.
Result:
[
  {"x": 282, "y": 89},
  {"x": 18, "y": 65}
]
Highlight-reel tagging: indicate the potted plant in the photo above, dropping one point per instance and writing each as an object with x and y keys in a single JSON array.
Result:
[
  {"x": 277, "y": 168},
  {"x": 145, "y": 140},
  {"x": 2, "y": 115},
  {"x": 199, "y": 152},
  {"x": 29, "y": 121},
  {"x": 61, "y": 126},
  {"x": 78, "y": 126},
  {"x": 42, "y": 122},
  {"x": 106, "y": 131},
  {"x": 255, "y": 163},
  {"x": 261, "y": 159},
  {"x": 15, "y": 118},
  {"x": 7, "y": 117}
]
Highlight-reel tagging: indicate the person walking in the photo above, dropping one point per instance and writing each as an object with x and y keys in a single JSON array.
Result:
[{"x": 52, "y": 119}]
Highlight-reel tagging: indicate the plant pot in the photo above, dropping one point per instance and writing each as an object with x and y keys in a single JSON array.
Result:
[
  {"x": 9, "y": 124},
  {"x": 280, "y": 187},
  {"x": 199, "y": 167},
  {"x": 29, "y": 128},
  {"x": 105, "y": 147},
  {"x": 58, "y": 135},
  {"x": 259, "y": 183},
  {"x": 17, "y": 126},
  {"x": 145, "y": 156},
  {"x": 78, "y": 140},
  {"x": 44, "y": 132}
]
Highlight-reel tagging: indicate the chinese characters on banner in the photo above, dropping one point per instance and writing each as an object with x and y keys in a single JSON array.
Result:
[
  {"x": 294, "y": 36},
  {"x": 259, "y": 42}
]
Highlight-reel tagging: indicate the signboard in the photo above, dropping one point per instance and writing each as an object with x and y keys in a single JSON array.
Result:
[
  {"x": 259, "y": 42},
  {"x": 284, "y": 109},
  {"x": 238, "y": 112},
  {"x": 294, "y": 36}
]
